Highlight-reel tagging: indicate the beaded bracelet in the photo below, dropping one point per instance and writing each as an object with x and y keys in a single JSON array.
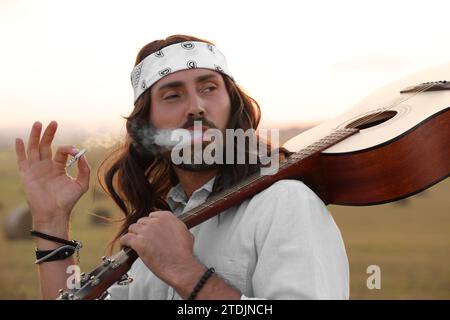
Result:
[{"x": 200, "y": 283}]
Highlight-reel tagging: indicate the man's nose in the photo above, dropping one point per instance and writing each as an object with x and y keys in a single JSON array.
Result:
[{"x": 196, "y": 108}]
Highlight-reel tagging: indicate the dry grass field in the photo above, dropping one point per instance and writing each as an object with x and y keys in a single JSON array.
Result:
[{"x": 409, "y": 240}]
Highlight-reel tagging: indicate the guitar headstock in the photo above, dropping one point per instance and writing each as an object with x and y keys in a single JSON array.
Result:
[{"x": 95, "y": 284}]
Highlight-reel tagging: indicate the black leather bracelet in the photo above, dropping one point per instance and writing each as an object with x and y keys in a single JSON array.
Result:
[
  {"x": 208, "y": 273},
  {"x": 45, "y": 236},
  {"x": 60, "y": 255}
]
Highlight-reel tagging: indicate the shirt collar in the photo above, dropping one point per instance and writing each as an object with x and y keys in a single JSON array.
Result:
[{"x": 177, "y": 196}]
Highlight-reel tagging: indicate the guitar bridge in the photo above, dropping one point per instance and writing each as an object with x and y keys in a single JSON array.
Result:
[{"x": 428, "y": 86}]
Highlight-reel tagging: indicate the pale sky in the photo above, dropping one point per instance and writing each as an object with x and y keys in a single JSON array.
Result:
[{"x": 301, "y": 60}]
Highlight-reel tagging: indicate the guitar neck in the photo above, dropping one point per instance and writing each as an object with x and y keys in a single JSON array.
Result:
[{"x": 297, "y": 165}]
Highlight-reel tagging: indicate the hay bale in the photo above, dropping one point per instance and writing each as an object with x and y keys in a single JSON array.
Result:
[
  {"x": 99, "y": 216},
  {"x": 18, "y": 223}
]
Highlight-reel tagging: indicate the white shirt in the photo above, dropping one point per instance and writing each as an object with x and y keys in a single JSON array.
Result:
[{"x": 280, "y": 244}]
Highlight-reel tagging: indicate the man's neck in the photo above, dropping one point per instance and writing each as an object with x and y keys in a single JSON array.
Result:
[{"x": 192, "y": 180}]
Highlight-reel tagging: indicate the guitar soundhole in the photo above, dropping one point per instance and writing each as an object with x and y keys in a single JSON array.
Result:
[{"x": 372, "y": 120}]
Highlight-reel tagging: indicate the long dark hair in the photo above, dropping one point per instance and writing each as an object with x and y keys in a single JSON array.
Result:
[{"x": 139, "y": 181}]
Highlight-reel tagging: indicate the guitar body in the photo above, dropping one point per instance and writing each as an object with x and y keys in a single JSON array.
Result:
[{"x": 398, "y": 153}]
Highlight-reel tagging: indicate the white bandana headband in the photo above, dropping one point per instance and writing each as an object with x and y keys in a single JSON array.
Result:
[{"x": 173, "y": 58}]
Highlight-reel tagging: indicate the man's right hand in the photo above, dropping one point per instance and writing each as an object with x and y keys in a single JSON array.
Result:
[{"x": 51, "y": 193}]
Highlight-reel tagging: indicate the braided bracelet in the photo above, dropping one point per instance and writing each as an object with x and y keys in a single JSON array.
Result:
[{"x": 200, "y": 283}]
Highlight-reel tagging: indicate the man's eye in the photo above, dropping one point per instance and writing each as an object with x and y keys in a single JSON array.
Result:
[
  {"x": 209, "y": 89},
  {"x": 171, "y": 97}
]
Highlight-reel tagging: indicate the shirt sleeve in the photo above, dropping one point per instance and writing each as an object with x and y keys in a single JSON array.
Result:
[{"x": 300, "y": 251}]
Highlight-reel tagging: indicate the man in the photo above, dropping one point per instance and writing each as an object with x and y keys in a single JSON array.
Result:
[{"x": 280, "y": 244}]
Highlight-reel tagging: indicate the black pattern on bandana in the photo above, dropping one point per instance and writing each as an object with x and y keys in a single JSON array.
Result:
[
  {"x": 135, "y": 75},
  {"x": 191, "y": 64},
  {"x": 159, "y": 54},
  {"x": 165, "y": 72},
  {"x": 188, "y": 45}
]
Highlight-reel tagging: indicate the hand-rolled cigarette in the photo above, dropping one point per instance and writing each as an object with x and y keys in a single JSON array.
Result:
[{"x": 75, "y": 158}]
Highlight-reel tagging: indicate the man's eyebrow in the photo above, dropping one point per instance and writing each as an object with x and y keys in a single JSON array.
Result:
[
  {"x": 176, "y": 84},
  {"x": 205, "y": 77}
]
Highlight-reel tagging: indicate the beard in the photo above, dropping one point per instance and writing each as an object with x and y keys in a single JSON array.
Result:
[
  {"x": 196, "y": 167},
  {"x": 196, "y": 161}
]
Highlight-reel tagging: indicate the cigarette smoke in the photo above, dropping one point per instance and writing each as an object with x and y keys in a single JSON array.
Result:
[
  {"x": 155, "y": 140},
  {"x": 105, "y": 141}
]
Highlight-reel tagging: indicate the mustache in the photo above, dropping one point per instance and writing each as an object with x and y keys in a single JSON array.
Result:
[{"x": 190, "y": 123}]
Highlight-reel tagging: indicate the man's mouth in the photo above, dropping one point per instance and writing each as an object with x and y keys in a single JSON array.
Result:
[{"x": 202, "y": 128}]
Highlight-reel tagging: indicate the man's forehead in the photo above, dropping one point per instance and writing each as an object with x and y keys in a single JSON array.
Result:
[{"x": 191, "y": 75}]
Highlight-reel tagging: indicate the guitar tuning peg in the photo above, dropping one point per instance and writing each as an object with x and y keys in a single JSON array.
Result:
[
  {"x": 63, "y": 296},
  {"x": 124, "y": 280},
  {"x": 71, "y": 296},
  {"x": 103, "y": 296}
]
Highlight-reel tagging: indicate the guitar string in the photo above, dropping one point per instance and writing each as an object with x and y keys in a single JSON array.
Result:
[
  {"x": 366, "y": 120},
  {"x": 396, "y": 103}
]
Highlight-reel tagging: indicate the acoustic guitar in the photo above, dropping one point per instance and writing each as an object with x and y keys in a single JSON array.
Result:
[{"x": 391, "y": 145}]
